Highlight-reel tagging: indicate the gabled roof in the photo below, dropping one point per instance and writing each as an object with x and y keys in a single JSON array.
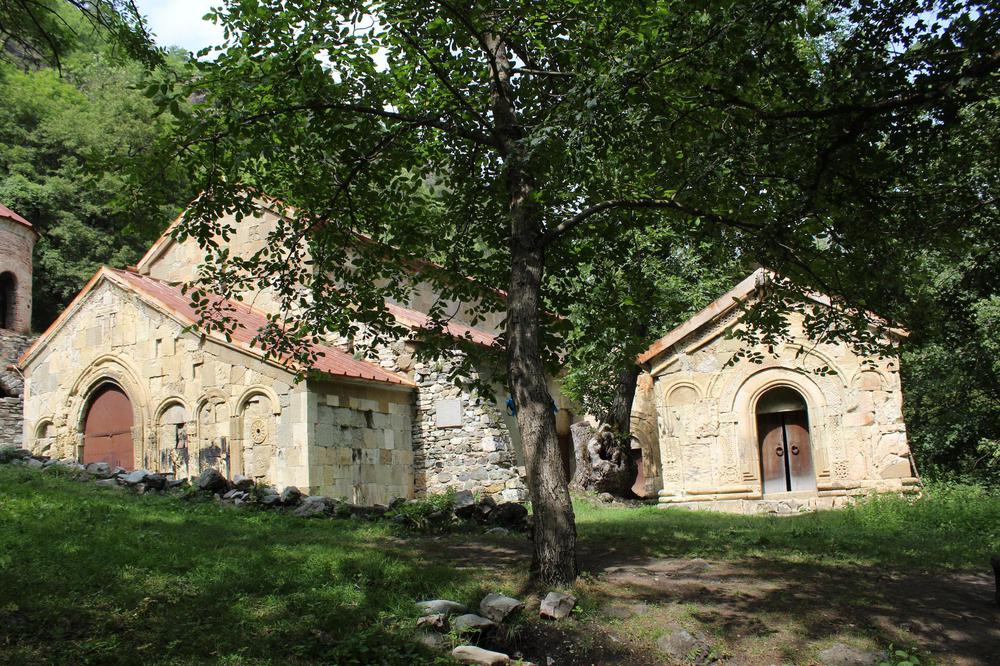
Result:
[
  {"x": 172, "y": 301},
  {"x": 418, "y": 320},
  {"x": 11, "y": 215},
  {"x": 747, "y": 287},
  {"x": 717, "y": 307}
]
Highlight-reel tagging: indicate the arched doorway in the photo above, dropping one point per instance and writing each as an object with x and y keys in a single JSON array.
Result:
[
  {"x": 8, "y": 289},
  {"x": 783, "y": 432},
  {"x": 107, "y": 429}
]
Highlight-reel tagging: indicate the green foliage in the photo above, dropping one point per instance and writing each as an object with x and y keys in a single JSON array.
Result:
[
  {"x": 113, "y": 575},
  {"x": 64, "y": 138},
  {"x": 624, "y": 300},
  {"x": 429, "y": 513},
  {"x": 951, "y": 525},
  {"x": 8, "y": 453}
]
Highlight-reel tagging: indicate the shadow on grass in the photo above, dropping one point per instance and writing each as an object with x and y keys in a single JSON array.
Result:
[{"x": 95, "y": 576}]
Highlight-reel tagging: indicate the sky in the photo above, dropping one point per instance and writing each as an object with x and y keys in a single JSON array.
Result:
[{"x": 179, "y": 23}]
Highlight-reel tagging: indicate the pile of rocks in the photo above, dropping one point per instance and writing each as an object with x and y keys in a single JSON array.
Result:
[
  {"x": 442, "y": 615},
  {"x": 243, "y": 492}
]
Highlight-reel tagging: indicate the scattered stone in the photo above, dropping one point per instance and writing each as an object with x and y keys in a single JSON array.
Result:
[
  {"x": 177, "y": 483},
  {"x": 241, "y": 482},
  {"x": 139, "y": 488},
  {"x": 470, "y": 654},
  {"x": 290, "y": 496},
  {"x": 499, "y": 531},
  {"x": 465, "y": 504},
  {"x": 136, "y": 477},
  {"x": 211, "y": 480},
  {"x": 607, "y": 498},
  {"x": 510, "y": 515},
  {"x": 270, "y": 500},
  {"x": 313, "y": 505},
  {"x": 697, "y": 565},
  {"x": 484, "y": 508},
  {"x": 841, "y": 654},
  {"x": 34, "y": 463},
  {"x": 155, "y": 481},
  {"x": 101, "y": 470},
  {"x": 471, "y": 622},
  {"x": 556, "y": 605},
  {"x": 498, "y": 606},
  {"x": 438, "y": 621},
  {"x": 396, "y": 502},
  {"x": 431, "y": 640},
  {"x": 684, "y": 646},
  {"x": 107, "y": 483},
  {"x": 442, "y": 606}
]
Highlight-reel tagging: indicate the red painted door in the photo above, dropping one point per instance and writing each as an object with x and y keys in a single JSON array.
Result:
[{"x": 107, "y": 430}]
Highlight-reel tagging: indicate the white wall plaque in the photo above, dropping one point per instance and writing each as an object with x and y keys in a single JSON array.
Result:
[{"x": 449, "y": 413}]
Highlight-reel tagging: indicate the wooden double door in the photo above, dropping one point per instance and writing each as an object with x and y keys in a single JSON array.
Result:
[
  {"x": 785, "y": 452},
  {"x": 107, "y": 430}
]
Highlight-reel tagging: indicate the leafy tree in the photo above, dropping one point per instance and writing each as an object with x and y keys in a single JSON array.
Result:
[
  {"x": 622, "y": 301},
  {"x": 44, "y": 32},
  {"x": 63, "y": 140},
  {"x": 800, "y": 129}
]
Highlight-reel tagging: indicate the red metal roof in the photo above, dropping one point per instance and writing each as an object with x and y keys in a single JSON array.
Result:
[
  {"x": 333, "y": 361},
  {"x": 415, "y": 319},
  {"x": 8, "y": 213}
]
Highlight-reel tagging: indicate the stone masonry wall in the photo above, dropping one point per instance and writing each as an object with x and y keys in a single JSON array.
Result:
[
  {"x": 17, "y": 242},
  {"x": 362, "y": 447},
  {"x": 468, "y": 448},
  {"x": 12, "y": 345}
]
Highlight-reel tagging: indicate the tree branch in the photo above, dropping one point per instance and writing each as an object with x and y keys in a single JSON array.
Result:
[{"x": 641, "y": 204}]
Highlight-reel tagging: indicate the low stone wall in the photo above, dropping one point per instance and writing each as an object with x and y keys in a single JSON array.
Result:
[{"x": 12, "y": 345}]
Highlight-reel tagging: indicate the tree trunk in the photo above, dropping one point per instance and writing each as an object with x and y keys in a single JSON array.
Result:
[
  {"x": 554, "y": 529},
  {"x": 620, "y": 413}
]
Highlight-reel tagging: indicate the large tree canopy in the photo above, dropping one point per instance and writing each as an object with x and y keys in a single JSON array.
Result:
[
  {"x": 64, "y": 137},
  {"x": 501, "y": 139}
]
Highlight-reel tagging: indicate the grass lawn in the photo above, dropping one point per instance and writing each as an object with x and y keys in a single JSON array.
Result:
[{"x": 91, "y": 575}]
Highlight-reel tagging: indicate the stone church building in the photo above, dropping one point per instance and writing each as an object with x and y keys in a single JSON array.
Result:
[
  {"x": 17, "y": 242},
  {"x": 773, "y": 436},
  {"x": 120, "y": 377}
]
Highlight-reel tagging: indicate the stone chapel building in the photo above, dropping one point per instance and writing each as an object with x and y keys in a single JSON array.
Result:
[
  {"x": 118, "y": 377},
  {"x": 773, "y": 436},
  {"x": 17, "y": 243}
]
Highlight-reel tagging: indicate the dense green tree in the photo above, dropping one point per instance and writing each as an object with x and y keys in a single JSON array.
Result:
[
  {"x": 801, "y": 129},
  {"x": 64, "y": 137},
  {"x": 44, "y": 32}
]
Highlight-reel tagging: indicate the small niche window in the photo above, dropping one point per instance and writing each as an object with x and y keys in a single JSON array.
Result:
[{"x": 8, "y": 283}]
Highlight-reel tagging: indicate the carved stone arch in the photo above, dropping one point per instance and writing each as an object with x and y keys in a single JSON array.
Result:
[
  {"x": 212, "y": 433},
  {"x": 254, "y": 431},
  {"x": 172, "y": 423},
  {"x": 42, "y": 435},
  {"x": 106, "y": 369},
  {"x": 259, "y": 389},
  {"x": 740, "y": 397}
]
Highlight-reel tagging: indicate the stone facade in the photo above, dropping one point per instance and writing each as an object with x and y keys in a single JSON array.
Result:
[
  {"x": 706, "y": 435},
  {"x": 17, "y": 242},
  {"x": 200, "y": 402}
]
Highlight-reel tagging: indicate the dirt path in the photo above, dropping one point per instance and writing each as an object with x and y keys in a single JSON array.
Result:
[{"x": 754, "y": 612}]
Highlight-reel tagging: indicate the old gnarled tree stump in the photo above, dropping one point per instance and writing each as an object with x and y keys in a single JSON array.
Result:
[{"x": 603, "y": 461}]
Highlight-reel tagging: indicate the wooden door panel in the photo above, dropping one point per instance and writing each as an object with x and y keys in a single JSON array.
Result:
[
  {"x": 772, "y": 460},
  {"x": 800, "y": 465},
  {"x": 107, "y": 431}
]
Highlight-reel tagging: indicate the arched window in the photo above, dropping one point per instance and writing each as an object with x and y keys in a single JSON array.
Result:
[{"x": 8, "y": 285}]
